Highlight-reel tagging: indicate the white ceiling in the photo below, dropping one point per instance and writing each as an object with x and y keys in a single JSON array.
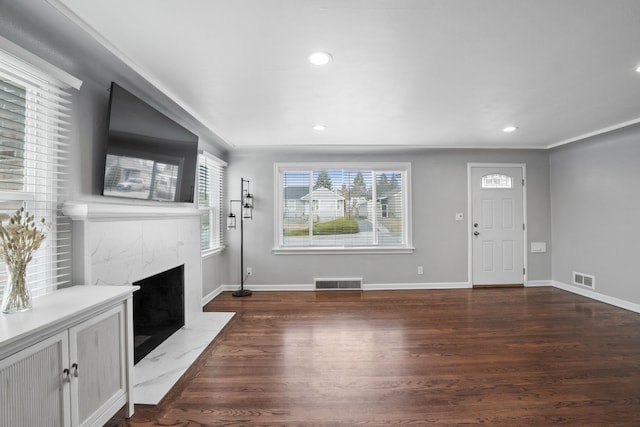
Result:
[{"x": 406, "y": 73}]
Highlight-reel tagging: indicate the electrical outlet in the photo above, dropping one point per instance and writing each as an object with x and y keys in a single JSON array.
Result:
[
  {"x": 249, "y": 271},
  {"x": 420, "y": 270}
]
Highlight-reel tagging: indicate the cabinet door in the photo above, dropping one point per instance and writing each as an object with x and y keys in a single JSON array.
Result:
[
  {"x": 33, "y": 390},
  {"x": 97, "y": 352}
]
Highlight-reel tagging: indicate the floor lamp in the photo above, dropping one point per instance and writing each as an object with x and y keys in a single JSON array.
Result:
[{"x": 246, "y": 212}]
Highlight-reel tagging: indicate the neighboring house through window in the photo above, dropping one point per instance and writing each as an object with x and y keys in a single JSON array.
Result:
[{"x": 342, "y": 207}]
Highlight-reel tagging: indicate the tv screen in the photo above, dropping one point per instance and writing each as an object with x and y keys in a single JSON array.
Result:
[{"x": 148, "y": 155}]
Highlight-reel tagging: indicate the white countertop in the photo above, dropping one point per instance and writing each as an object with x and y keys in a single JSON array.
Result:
[{"x": 56, "y": 310}]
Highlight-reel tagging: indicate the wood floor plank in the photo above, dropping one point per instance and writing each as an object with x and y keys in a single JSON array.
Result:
[{"x": 499, "y": 357}]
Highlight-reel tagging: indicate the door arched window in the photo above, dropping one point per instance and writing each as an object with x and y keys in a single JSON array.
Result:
[{"x": 497, "y": 180}]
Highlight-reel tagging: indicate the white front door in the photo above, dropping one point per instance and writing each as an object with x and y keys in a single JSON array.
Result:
[{"x": 497, "y": 225}]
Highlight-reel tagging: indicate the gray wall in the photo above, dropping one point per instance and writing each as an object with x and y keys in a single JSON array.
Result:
[
  {"x": 39, "y": 28},
  {"x": 595, "y": 199},
  {"x": 439, "y": 179},
  {"x": 439, "y": 176}
]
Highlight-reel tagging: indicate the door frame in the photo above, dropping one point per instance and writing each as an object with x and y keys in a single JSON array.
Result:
[{"x": 470, "y": 166}]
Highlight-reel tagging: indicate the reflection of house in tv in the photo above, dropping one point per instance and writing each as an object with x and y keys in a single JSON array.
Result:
[{"x": 139, "y": 178}]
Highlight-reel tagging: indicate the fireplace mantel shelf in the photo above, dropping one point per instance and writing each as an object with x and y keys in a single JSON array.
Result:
[{"x": 90, "y": 211}]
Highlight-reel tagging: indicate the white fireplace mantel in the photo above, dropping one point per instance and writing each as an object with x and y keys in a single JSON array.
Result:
[
  {"x": 119, "y": 244},
  {"x": 89, "y": 211}
]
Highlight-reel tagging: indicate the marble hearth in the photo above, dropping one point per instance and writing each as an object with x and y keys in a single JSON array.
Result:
[{"x": 162, "y": 368}]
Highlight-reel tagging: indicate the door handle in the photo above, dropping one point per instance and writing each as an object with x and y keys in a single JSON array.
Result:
[{"x": 476, "y": 233}]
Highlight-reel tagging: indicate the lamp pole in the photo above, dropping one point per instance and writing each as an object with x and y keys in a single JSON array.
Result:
[{"x": 244, "y": 205}]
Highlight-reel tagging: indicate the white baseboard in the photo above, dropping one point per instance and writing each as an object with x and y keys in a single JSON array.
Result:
[
  {"x": 365, "y": 287},
  {"x": 275, "y": 287},
  {"x": 211, "y": 295},
  {"x": 414, "y": 286},
  {"x": 269, "y": 287},
  {"x": 536, "y": 283},
  {"x": 598, "y": 296}
]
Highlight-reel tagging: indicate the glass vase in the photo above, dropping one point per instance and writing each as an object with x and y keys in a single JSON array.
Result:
[{"x": 17, "y": 296}]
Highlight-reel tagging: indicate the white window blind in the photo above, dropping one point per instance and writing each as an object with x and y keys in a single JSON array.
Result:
[
  {"x": 343, "y": 206},
  {"x": 34, "y": 113},
  {"x": 210, "y": 201}
]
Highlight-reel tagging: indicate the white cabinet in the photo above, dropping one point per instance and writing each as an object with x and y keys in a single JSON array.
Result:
[
  {"x": 97, "y": 367},
  {"x": 65, "y": 367},
  {"x": 31, "y": 389}
]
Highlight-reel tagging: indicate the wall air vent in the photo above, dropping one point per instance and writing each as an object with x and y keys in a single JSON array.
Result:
[
  {"x": 584, "y": 280},
  {"x": 343, "y": 284}
]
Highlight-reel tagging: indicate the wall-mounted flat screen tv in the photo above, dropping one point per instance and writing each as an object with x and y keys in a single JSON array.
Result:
[{"x": 147, "y": 155}]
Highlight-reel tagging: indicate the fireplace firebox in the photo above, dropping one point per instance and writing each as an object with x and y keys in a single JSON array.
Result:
[{"x": 158, "y": 310}]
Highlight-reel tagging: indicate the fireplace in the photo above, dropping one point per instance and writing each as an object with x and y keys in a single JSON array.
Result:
[{"x": 158, "y": 310}]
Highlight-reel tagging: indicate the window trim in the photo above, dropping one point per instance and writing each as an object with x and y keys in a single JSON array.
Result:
[
  {"x": 37, "y": 67},
  {"x": 44, "y": 180},
  {"x": 280, "y": 167}
]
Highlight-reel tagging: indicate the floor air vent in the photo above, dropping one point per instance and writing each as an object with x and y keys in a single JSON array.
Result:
[
  {"x": 353, "y": 283},
  {"x": 584, "y": 280}
]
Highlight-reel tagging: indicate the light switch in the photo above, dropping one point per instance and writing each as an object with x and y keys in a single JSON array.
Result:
[{"x": 538, "y": 247}]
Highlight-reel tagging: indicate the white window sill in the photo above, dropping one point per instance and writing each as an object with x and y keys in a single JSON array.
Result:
[
  {"x": 212, "y": 252},
  {"x": 342, "y": 250}
]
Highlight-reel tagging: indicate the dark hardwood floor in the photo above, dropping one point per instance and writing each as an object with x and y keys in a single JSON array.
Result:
[{"x": 498, "y": 357}]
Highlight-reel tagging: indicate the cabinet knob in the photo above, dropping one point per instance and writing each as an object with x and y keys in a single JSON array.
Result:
[
  {"x": 75, "y": 370},
  {"x": 65, "y": 376}
]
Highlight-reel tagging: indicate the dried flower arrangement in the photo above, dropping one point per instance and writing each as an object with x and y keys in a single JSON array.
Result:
[{"x": 19, "y": 239}]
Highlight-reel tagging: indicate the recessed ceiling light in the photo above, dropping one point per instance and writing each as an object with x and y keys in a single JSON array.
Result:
[
  {"x": 510, "y": 129},
  {"x": 320, "y": 58},
  {"x": 319, "y": 128},
  {"x": 638, "y": 69}
]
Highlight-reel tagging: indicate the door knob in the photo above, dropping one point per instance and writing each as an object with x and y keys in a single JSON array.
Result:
[{"x": 476, "y": 233}]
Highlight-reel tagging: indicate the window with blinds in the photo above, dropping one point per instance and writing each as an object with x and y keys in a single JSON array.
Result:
[
  {"x": 343, "y": 206},
  {"x": 34, "y": 110},
  {"x": 210, "y": 202}
]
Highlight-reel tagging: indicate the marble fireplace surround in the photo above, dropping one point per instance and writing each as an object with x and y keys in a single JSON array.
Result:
[{"x": 118, "y": 244}]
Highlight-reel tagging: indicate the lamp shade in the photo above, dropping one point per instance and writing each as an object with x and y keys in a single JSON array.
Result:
[
  {"x": 231, "y": 221},
  {"x": 247, "y": 211},
  {"x": 248, "y": 200}
]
